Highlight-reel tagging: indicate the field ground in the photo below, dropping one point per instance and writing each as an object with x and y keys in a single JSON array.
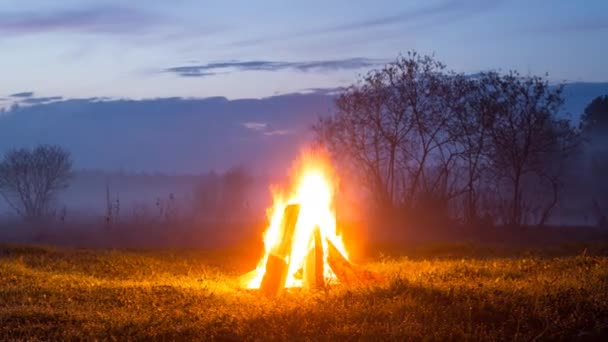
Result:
[{"x": 451, "y": 292}]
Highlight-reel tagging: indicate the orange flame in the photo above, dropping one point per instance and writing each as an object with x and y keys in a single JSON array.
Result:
[{"x": 314, "y": 191}]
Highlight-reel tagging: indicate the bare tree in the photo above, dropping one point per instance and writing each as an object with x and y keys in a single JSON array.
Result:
[
  {"x": 392, "y": 129},
  {"x": 594, "y": 126},
  {"x": 528, "y": 145},
  {"x": 470, "y": 131},
  {"x": 30, "y": 179},
  {"x": 422, "y": 139}
]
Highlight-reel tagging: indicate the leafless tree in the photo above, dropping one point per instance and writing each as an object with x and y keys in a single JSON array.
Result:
[
  {"x": 422, "y": 138},
  {"x": 594, "y": 125},
  {"x": 470, "y": 131},
  {"x": 528, "y": 145},
  {"x": 392, "y": 128},
  {"x": 30, "y": 179}
]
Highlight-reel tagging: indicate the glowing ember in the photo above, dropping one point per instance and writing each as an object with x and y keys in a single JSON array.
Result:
[{"x": 313, "y": 192}]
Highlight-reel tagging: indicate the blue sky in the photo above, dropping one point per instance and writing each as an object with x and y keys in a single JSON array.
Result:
[{"x": 158, "y": 48}]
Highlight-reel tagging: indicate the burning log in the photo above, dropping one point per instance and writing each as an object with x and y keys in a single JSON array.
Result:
[
  {"x": 347, "y": 272},
  {"x": 313, "y": 264},
  {"x": 343, "y": 269},
  {"x": 277, "y": 264}
]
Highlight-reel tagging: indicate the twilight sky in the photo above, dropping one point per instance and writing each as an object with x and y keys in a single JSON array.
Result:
[{"x": 236, "y": 49}]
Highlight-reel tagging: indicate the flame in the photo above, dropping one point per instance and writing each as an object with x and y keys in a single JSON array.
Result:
[{"x": 314, "y": 191}]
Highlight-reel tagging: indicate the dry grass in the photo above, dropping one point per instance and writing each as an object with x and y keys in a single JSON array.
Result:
[{"x": 60, "y": 294}]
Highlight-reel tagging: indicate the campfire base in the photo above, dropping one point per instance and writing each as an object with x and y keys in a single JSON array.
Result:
[{"x": 312, "y": 272}]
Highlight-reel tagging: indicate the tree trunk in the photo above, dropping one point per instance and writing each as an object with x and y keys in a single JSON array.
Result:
[
  {"x": 547, "y": 212},
  {"x": 516, "y": 208}
]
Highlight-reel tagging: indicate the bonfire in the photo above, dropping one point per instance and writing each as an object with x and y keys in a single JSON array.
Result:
[{"x": 302, "y": 244}]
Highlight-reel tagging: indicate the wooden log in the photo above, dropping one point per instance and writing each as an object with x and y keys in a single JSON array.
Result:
[
  {"x": 319, "y": 260},
  {"x": 288, "y": 228},
  {"x": 274, "y": 277},
  {"x": 346, "y": 271},
  {"x": 341, "y": 267},
  {"x": 313, "y": 264},
  {"x": 277, "y": 264}
]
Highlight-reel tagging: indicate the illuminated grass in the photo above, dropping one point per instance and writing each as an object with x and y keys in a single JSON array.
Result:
[{"x": 55, "y": 294}]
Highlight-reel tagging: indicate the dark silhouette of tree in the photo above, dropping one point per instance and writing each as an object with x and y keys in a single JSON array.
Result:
[
  {"x": 594, "y": 125},
  {"x": 594, "y": 120},
  {"x": 431, "y": 142},
  {"x": 30, "y": 179},
  {"x": 392, "y": 129},
  {"x": 473, "y": 111},
  {"x": 528, "y": 143}
]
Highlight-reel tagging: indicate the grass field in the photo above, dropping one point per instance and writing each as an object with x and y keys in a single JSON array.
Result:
[{"x": 442, "y": 294}]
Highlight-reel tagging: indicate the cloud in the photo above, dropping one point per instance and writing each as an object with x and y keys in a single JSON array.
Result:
[
  {"x": 256, "y": 126},
  {"x": 187, "y": 71},
  {"x": 432, "y": 11},
  {"x": 580, "y": 25},
  {"x": 209, "y": 69},
  {"x": 265, "y": 129},
  {"x": 41, "y": 100},
  {"x": 437, "y": 13},
  {"x": 23, "y": 94},
  {"x": 324, "y": 91},
  {"x": 278, "y": 132},
  {"x": 99, "y": 19}
]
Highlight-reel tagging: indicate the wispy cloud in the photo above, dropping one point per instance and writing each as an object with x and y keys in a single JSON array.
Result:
[
  {"x": 256, "y": 126},
  {"x": 98, "y": 19},
  {"x": 324, "y": 91},
  {"x": 23, "y": 94},
  {"x": 437, "y": 13},
  {"x": 437, "y": 9},
  {"x": 265, "y": 129},
  {"x": 209, "y": 69},
  {"x": 576, "y": 25},
  {"x": 277, "y": 132},
  {"x": 41, "y": 100},
  {"x": 190, "y": 72}
]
